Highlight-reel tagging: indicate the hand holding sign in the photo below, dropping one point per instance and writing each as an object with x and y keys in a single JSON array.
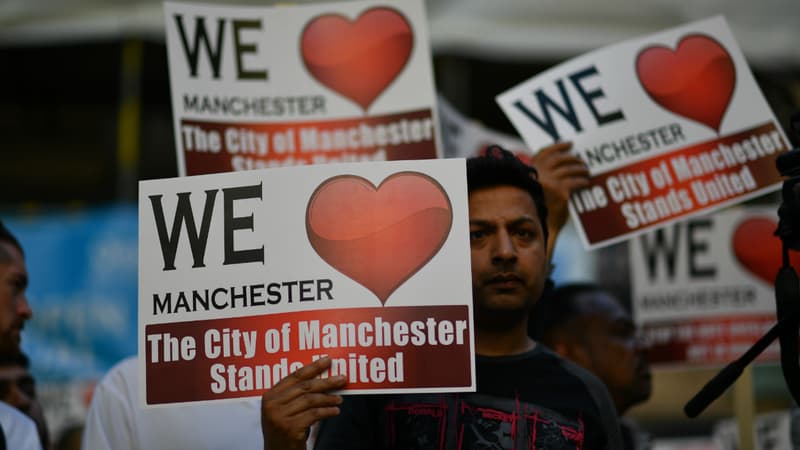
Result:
[
  {"x": 561, "y": 173},
  {"x": 297, "y": 402}
]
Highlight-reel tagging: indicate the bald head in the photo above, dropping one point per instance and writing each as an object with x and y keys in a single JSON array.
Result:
[{"x": 587, "y": 324}]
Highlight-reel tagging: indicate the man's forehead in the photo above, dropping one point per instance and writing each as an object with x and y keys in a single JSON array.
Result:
[
  {"x": 506, "y": 189},
  {"x": 10, "y": 253},
  {"x": 503, "y": 197},
  {"x": 14, "y": 264}
]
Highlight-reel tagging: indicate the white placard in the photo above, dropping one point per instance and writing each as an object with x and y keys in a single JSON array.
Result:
[
  {"x": 670, "y": 125},
  {"x": 265, "y": 86},
  {"x": 246, "y": 276}
]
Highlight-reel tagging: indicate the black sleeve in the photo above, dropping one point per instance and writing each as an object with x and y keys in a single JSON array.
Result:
[
  {"x": 355, "y": 428},
  {"x": 607, "y": 413}
]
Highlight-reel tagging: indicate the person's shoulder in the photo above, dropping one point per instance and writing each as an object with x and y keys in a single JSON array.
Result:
[
  {"x": 598, "y": 396},
  {"x": 587, "y": 378},
  {"x": 11, "y": 415},
  {"x": 120, "y": 381},
  {"x": 19, "y": 429},
  {"x": 126, "y": 369}
]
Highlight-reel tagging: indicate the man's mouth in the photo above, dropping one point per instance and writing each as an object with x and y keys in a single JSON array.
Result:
[
  {"x": 16, "y": 331},
  {"x": 505, "y": 279}
]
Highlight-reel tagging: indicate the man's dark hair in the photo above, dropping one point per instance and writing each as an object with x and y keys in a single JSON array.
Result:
[
  {"x": 556, "y": 308},
  {"x": 499, "y": 167},
  {"x": 6, "y": 236}
]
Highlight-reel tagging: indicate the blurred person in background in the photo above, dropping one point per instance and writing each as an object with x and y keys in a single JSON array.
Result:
[
  {"x": 117, "y": 421},
  {"x": 17, "y": 431},
  {"x": 588, "y": 325},
  {"x": 70, "y": 438},
  {"x": 18, "y": 389}
]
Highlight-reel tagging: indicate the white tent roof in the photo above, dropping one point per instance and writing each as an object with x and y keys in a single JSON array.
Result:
[{"x": 767, "y": 30}]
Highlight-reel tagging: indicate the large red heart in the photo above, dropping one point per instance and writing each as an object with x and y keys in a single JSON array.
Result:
[
  {"x": 695, "y": 81},
  {"x": 379, "y": 237},
  {"x": 758, "y": 250},
  {"x": 357, "y": 59}
]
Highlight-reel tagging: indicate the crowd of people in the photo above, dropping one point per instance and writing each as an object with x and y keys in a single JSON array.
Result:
[{"x": 556, "y": 366}]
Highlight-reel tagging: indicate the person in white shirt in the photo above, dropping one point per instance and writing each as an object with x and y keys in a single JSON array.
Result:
[
  {"x": 18, "y": 429},
  {"x": 116, "y": 420}
]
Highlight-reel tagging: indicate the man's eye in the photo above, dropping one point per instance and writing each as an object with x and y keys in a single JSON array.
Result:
[
  {"x": 20, "y": 285},
  {"x": 525, "y": 234},
  {"x": 476, "y": 234}
]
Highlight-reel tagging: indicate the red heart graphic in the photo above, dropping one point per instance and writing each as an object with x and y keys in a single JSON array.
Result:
[
  {"x": 379, "y": 237},
  {"x": 357, "y": 59},
  {"x": 758, "y": 250},
  {"x": 695, "y": 81}
]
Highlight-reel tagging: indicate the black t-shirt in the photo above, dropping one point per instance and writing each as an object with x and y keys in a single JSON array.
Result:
[{"x": 535, "y": 400}]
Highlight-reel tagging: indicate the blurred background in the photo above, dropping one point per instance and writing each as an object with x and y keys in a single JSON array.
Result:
[{"x": 85, "y": 113}]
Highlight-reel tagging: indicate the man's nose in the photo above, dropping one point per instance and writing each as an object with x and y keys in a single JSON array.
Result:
[
  {"x": 504, "y": 248},
  {"x": 24, "y": 309}
]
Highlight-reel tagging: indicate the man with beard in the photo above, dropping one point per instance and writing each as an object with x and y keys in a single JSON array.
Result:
[
  {"x": 586, "y": 324},
  {"x": 17, "y": 431},
  {"x": 527, "y": 396}
]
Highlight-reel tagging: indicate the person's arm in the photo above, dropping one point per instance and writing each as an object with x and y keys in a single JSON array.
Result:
[
  {"x": 298, "y": 401},
  {"x": 561, "y": 173}
]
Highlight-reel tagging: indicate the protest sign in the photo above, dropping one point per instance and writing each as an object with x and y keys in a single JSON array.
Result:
[
  {"x": 670, "y": 125},
  {"x": 463, "y": 137},
  {"x": 244, "y": 277},
  {"x": 703, "y": 289},
  {"x": 256, "y": 87}
]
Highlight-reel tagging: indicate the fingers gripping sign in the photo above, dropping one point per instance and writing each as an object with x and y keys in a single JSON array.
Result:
[
  {"x": 561, "y": 173},
  {"x": 298, "y": 401}
]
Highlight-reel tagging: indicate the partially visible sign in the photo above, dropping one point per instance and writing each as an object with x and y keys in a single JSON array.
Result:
[
  {"x": 773, "y": 431},
  {"x": 256, "y": 87},
  {"x": 671, "y": 125},
  {"x": 703, "y": 289},
  {"x": 463, "y": 137},
  {"x": 245, "y": 277}
]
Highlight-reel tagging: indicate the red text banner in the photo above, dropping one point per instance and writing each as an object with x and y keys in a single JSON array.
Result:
[
  {"x": 709, "y": 341},
  {"x": 679, "y": 184},
  {"x": 389, "y": 348},
  {"x": 211, "y": 147}
]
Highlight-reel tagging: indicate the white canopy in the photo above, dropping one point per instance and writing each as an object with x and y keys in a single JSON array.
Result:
[{"x": 767, "y": 30}]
